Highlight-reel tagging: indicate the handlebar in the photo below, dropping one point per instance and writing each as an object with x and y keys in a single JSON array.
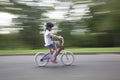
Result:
[{"x": 62, "y": 43}]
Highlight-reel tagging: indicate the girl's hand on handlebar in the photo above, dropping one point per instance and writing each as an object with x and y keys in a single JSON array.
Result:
[{"x": 61, "y": 38}]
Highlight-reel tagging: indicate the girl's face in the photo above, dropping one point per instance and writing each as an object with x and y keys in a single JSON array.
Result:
[{"x": 49, "y": 28}]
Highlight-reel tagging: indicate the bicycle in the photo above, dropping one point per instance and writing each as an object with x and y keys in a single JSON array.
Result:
[{"x": 66, "y": 57}]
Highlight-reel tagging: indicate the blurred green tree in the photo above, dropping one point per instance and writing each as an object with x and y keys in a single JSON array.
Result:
[
  {"x": 29, "y": 18},
  {"x": 104, "y": 23}
]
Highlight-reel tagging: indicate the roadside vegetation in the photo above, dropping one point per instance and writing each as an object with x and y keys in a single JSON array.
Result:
[{"x": 75, "y": 50}]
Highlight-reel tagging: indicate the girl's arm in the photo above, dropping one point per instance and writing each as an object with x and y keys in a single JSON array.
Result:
[{"x": 55, "y": 36}]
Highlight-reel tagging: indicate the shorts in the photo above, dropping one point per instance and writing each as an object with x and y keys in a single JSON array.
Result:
[{"x": 52, "y": 46}]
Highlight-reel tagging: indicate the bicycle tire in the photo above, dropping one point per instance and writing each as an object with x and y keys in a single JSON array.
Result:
[
  {"x": 67, "y": 58},
  {"x": 38, "y": 56}
]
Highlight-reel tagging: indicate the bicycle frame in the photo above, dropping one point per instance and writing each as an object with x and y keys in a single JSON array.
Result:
[
  {"x": 59, "y": 47},
  {"x": 67, "y": 58}
]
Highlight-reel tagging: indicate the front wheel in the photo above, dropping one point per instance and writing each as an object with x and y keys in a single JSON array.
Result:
[
  {"x": 67, "y": 58},
  {"x": 38, "y": 59}
]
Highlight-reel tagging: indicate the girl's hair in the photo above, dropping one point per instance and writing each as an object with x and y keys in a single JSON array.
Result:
[{"x": 47, "y": 28}]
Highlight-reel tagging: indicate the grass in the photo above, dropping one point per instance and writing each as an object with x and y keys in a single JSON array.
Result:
[
  {"x": 110, "y": 49},
  {"x": 77, "y": 50},
  {"x": 2, "y": 52}
]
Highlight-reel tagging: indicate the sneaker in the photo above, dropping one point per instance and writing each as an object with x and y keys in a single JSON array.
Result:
[{"x": 54, "y": 61}]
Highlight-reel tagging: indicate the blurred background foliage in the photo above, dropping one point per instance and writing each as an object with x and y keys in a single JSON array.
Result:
[{"x": 84, "y": 23}]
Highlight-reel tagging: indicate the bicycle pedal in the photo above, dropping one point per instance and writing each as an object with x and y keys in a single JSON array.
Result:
[{"x": 41, "y": 60}]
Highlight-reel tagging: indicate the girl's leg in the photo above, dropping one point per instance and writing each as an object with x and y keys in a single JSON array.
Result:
[
  {"x": 54, "y": 56},
  {"x": 54, "y": 53},
  {"x": 53, "y": 49}
]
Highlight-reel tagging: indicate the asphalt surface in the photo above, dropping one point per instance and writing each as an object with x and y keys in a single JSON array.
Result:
[{"x": 85, "y": 67}]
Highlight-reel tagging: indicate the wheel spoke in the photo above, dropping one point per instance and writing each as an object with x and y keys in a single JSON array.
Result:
[
  {"x": 67, "y": 58},
  {"x": 39, "y": 59}
]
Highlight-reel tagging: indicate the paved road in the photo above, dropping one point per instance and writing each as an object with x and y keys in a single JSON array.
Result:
[{"x": 86, "y": 67}]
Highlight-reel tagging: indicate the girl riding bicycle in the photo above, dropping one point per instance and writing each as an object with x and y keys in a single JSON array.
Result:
[{"x": 49, "y": 42}]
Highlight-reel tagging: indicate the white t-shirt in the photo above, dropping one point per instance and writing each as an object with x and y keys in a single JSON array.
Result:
[{"x": 48, "y": 39}]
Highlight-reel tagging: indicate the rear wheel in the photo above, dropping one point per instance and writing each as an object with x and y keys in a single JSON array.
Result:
[
  {"x": 67, "y": 58},
  {"x": 39, "y": 61}
]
